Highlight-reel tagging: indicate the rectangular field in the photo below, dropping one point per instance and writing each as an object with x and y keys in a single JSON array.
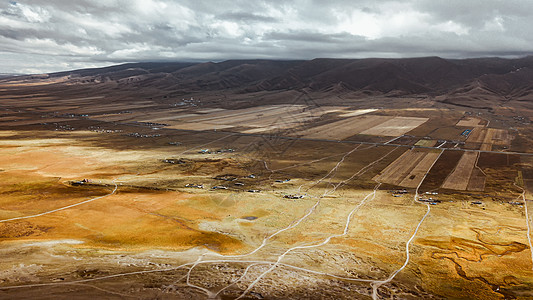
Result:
[
  {"x": 486, "y": 145},
  {"x": 413, "y": 179},
  {"x": 501, "y": 137},
  {"x": 426, "y": 143},
  {"x": 477, "y": 181},
  {"x": 408, "y": 169},
  {"x": 396, "y": 126},
  {"x": 441, "y": 170},
  {"x": 460, "y": 177},
  {"x": 477, "y": 135},
  {"x": 260, "y": 117},
  {"x": 285, "y": 120},
  {"x": 470, "y": 122},
  {"x": 486, "y": 137},
  {"x": 344, "y": 128}
]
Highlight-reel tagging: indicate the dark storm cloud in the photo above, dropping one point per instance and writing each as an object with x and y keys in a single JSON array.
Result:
[{"x": 49, "y": 35}]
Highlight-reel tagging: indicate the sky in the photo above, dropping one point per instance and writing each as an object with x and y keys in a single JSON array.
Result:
[{"x": 39, "y": 36}]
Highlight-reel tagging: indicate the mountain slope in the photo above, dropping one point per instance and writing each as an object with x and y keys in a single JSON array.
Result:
[{"x": 456, "y": 79}]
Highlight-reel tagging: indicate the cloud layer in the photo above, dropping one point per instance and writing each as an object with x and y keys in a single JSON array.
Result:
[{"x": 49, "y": 35}]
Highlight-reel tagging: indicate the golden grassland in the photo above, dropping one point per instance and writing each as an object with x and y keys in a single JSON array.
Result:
[{"x": 461, "y": 251}]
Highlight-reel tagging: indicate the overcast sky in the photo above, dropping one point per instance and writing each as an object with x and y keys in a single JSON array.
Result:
[{"x": 39, "y": 36}]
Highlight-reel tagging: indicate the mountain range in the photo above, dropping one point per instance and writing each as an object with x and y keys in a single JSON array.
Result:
[{"x": 456, "y": 81}]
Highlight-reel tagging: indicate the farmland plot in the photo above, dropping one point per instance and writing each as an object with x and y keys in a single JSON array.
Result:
[
  {"x": 477, "y": 135},
  {"x": 470, "y": 122},
  {"x": 396, "y": 126},
  {"x": 486, "y": 145},
  {"x": 487, "y": 137},
  {"x": 252, "y": 120},
  {"x": 501, "y": 137},
  {"x": 460, "y": 177},
  {"x": 426, "y": 143},
  {"x": 414, "y": 177},
  {"x": 239, "y": 115},
  {"x": 408, "y": 169},
  {"x": 344, "y": 128}
]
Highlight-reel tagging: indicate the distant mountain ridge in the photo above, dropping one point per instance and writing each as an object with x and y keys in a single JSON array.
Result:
[{"x": 462, "y": 78}]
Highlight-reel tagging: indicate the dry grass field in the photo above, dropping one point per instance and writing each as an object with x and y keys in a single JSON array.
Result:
[{"x": 459, "y": 178}]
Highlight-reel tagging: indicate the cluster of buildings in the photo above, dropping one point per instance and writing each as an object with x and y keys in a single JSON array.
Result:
[
  {"x": 140, "y": 135},
  {"x": 207, "y": 151}
]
